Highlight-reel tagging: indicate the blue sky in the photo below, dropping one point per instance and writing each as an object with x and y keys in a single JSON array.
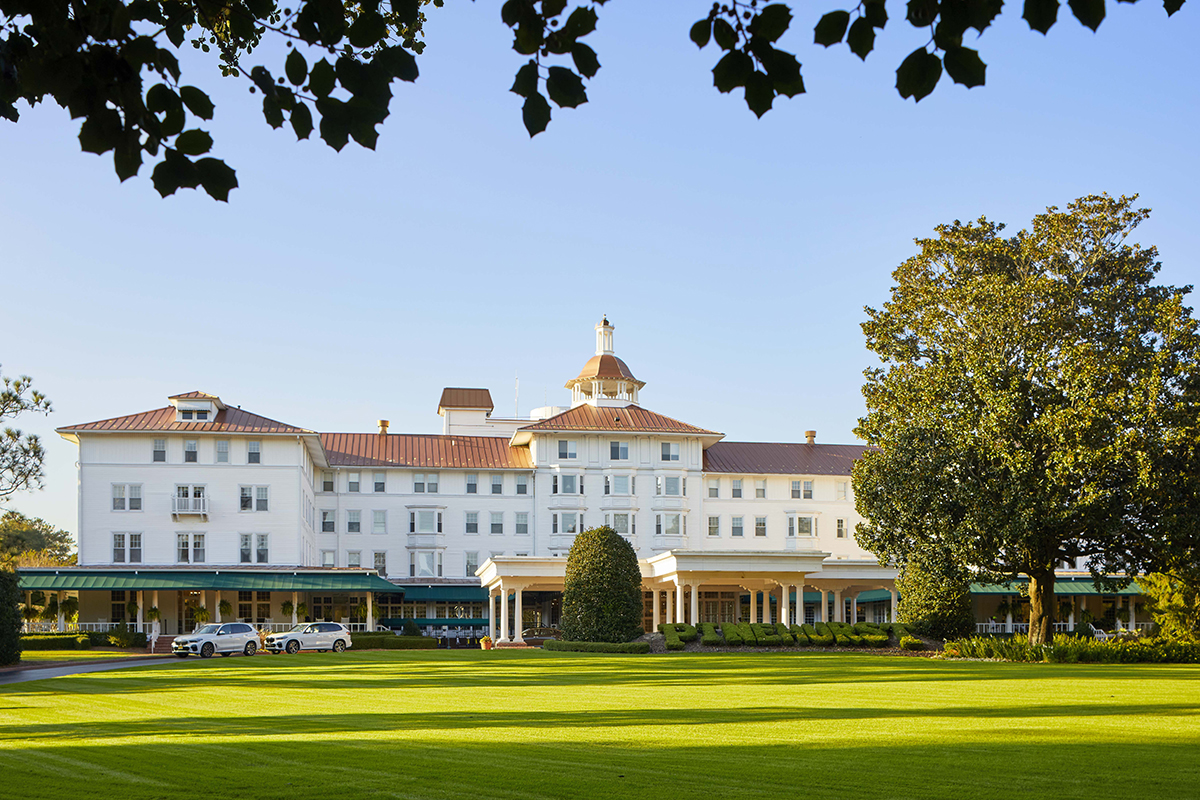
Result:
[{"x": 734, "y": 255}]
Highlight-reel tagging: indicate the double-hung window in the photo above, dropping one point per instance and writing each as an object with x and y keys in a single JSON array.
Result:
[
  {"x": 378, "y": 522},
  {"x": 714, "y": 526},
  {"x": 841, "y": 490},
  {"x": 261, "y": 551},
  {"x": 327, "y": 481},
  {"x": 126, "y": 497},
  {"x": 253, "y": 452},
  {"x": 841, "y": 529},
  {"x": 197, "y": 542},
  {"x": 808, "y": 490},
  {"x": 498, "y": 522},
  {"x": 354, "y": 559},
  {"x": 670, "y": 451},
  {"x": 380, "y": 481},
  {"x": 760, "y": 526},
  {"x": 255, "y": 498},
  {"x": 246, "y": 553},
  {"x": 472, "y": 483},
  {"x": 381, "y": 562},
  {"x": 191, "y": 449},
  {"x": 222, "y": 451},
  {"x": 497, "y": 483},
  {"x": 522, "y": 484},
  {"x": 135, "y": 548},
  {"x": 328, "y": 522},
  {"x": 425, "y": 483},
  {"x": 246, "y": 502},
  {"x": 796, "y": 490},
  {"x": 328, "y": 558},
  {"x": 355, "y": 481},
  {"x": 760, "y": 489},
  {"x": 736, "y": 527},
  {"x": 472, "y": 525},
  {"x": 521, "y": 526},
  {"x": 737, "y": 488},
  {"x": 472, "y": 563},
  {"x": 160, "y": 450},
  {"x": 618, "y": 451},
  {"x": 183, "y": 548},
  {"x": 714, "y": 487},
  {"x": 118, "y": 548},
  {"x": 353, "y": 522},
  {"x": 566, "y": 448}
]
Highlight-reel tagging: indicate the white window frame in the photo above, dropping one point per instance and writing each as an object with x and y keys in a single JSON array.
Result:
[
  {"x": 841, "y": 528},
  {"x": 807, "y": 491},
  {"x": 354, "y": 482},
  {"x": 328, "y": 479},
  {"x": 254, "y": 452},
  {"x": 522, "y": 484},
  {"x": 796, "y": 492},
  {"x": 621, "y": 448},
  {"x": 379, "y": 522},
  {"x": 760, "y": 524},
  {"x": 714, "y": 488},
  {"x": 353, "y": 520},
  {"x": 468, "y": 522},
  {"x": 353, "y": 556},
  {"x": 714, "y": 526},
  {"x": 331, "y": 518},
  {"x": 760, "y": 489},
  {"x": 155, "y": 450},
  {"x": 521, "y": 521},
  {"x": 262, "y": 548},
  {"x": 222, "y": 456},
  {"x": 840, "y": 490},
  {"x": 672, "y": 482},
  {"x": 472, "y": 483},
  {"x": 670, "y": 451},
  {"x": 191, "y": 447},
  {"x": 378, "y": 480},
  {"x": 736, "y": 489},
  {"x": 497, "y": 482},
  {"x": 329, "y": 558},
  {"x": 568, "y": 450},
  {"x": 496, "y": 521},
  {"x": 470, "y": 563},
  {"x": 127, "y": 494},
  {"x": 737, "y": 527}
]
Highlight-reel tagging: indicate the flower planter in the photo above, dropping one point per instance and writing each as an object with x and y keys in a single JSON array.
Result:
[{"x": 485, "y": 645}]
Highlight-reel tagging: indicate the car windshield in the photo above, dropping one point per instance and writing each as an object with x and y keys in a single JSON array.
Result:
[
  {"x": 299, "y": 628},
  {"x": 207, "y": 629}
]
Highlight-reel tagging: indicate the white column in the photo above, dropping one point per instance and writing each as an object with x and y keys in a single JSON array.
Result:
[
  {"x": 1071, "y": 613},
  {"x": 753, "y": 606},
  {"x": 520, "y": 618},
  {"x": 503, "y": 614},
  {"x": 695, "y": 604},
  {"x": 670, "y": 606},
  {"x": 1132, "y": 614},
  {"x": 216, "y": 609},
  {"x": 370, "y": 611},
  {"x": 679, "y": 601},
  {"x": 657, "y": 610},
  {"x": 61, "y": 624},
  {"x": 141, "y": 601},
  {"x": 853, "y": 609},
  {"x": 295, "y": 602},
  {"x": 157, "y": 624},
  {"x": 839, "y": 608},
  {"x": 492, "y": 613},
  {"x": 785, "y": 605},
  {"x": 1008, "y": 623},
  {"x": 895, "y": 610}
]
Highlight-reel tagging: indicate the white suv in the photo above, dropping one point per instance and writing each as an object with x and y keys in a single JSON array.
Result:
[
  {"x": 320, "y": 636},
  {"x": 226, "y": 639}
]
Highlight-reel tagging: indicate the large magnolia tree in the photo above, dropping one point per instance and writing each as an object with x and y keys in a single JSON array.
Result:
[{"x": 1036, "y": 404}]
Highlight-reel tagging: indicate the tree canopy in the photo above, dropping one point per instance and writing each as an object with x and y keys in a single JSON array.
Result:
[
  {"x": 114, "y": 63},
  {"x": 602, "y": 589},
  {"x": 34, "y": 542},
  {"x": 1037, "y": 404},
  {"x": 21, "y": 455}
]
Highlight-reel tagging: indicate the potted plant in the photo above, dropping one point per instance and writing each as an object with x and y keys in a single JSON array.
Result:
[
  {"x": 286, "y": 608},
  {"x": 70, "y": 608},
  {"x": 485, "y": 643},
  {"x": 50, "y": 612},
  {"x": 226, "y": 608},
  {"x": 131, "y": 609},
  {"x": 153, "y": 614},
  {"x": 302, "y": 612},
  {"x": 200, "y": 615},
  {"x": 360, "y": 611}
]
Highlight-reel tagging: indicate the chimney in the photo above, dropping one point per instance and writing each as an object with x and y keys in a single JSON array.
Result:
[
  {"x": 811, "y": 436},
  {"x": 383, "y": 425}
]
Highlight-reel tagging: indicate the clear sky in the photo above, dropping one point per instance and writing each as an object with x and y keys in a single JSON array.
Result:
[{"x": 734, "y": 255}]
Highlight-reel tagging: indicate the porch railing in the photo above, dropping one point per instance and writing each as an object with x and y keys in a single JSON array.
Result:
[
  {"x": 189, "y": 505},
  {"x": 1016, "y": 627}
]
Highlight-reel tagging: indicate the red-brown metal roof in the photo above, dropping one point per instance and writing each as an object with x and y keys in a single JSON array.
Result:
[
  {"x": 605, "y": 366},
  {"x": 228, "y": 420},
  {"x": 782, "y": 458},
  {"x": 429, "y": 451},
  {"x": 629, "y": 418},
  {"x": 455, "y": 397},
  {"x": 194, "y": 396}
]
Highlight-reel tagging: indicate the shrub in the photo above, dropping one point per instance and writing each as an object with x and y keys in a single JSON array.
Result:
[
  {"x": 10, "y": 617},
  {"x": 873, "y": 635},
  {"x": 733, "y": 636},
  {"x": 765, "y": 635},
  {"x": 1070, "y": 650},
  {"x": 800, "y": 636},
  {"x": 935, "y": 598},
  {"x": 709, "y": 635},
  {"x": 844, "y": 635},
  {"x": 597, "y": 647},
  {"x": 1175, "y": 602},
  {"x": 820, "y": 634},
  {"x": 912, "y": 643},
  {"x": 667, "y": 629},
  {"x": 388, "y": 641},
  {"x": 784, "y": 633},
  {"x": 122, "y": 636},
  {"x": 743, "y": 630},
  {"x": 55, "y": 642},
  {"x": 410, "y": 628},
  {"x": 602, "y": 589}
]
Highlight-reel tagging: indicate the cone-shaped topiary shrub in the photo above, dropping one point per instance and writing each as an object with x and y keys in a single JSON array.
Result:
[
  {"x": 10, "y": 617},
  {"x": 602, "y": 592}
]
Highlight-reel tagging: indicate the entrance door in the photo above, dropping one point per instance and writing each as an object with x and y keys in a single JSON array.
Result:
[{"x": 184, "y": 620}]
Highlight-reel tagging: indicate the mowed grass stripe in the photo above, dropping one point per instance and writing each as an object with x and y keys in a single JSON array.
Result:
[{"x": 539, "y": 725}]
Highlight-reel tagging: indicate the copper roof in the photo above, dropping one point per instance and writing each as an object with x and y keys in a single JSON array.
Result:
[
  {"x": 430, "y": 451},
  {"x": 465, "y": 398},
  {"x": 782, "y": 458},
  {"x": 605, "y": 366},
  {"x": 194, "y": 396},
  {"x": 228, "y": 420},
  {"x": 630, "y": 418}
]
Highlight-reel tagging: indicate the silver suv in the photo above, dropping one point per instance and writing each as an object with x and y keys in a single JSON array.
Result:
[
  {"x": 320, "y": 636},
  {"x": 226, "y": 639}
]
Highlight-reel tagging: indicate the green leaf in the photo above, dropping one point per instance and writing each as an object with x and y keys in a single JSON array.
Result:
[
  {"x": 1041, "y": 14},
  {"x": 399, "y": 63},
  {"x": 981, "y": 13},
  {"x": 406, "y": 10},
  {"x": 922, "y": 12},
  {"x": 831, "y": 28},
  {"x": 272, "y": 112},
  {"x": 101, "y": 131},
  {"x": 302, "y": 122},
  {"x": 964, "y": 66},
  {"x": 331, "y": 20},
  {"x": 581, "y": 22},
  {"x": 876, "y": 13},
  {"x": 526, "y": 82},
  {"x": 335, "y": 123},
  {"x": 585, "y": 59},
  {"x": 127, "y": 155},
  {"x": 552, "y": 8},
  {"x": 784, "y": 70},
  {"x": 196, "y": 101},
  {"x": 1172, "y": 6},
  {"x": 770, "y": 23},
  {"x": 296, "y": 68},
  {"x": 321, "y": 78},
  {"x": 368, "y": 29},
  {"x": 918, "y": 74},
  {"x": 760, "y": 93},
  {"x": 173, "y": 121},
  {"x": 161, "y": 97},
  {"x": 535, "y": 114},
  {"x": 724, "y": 34},
  {"x": 193, "y": 142},
  {"x": 217, "y": 178},
  {"x": 174, "y": 172},
  {"x": 732, "y": 71},
  {"x": 1089, "y": 12},
  {"x": 565, "y": 88},
  {"x": 701, "y": 32},
  {"x": 861, "y": 38}
]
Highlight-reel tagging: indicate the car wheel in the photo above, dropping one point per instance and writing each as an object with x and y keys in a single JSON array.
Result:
[
  {"x": 207, "y": 650},
  {"x": 181, "y": 655},
  {"x": 339, "y": 646},
  {"x": 251, "y": 648},
  {"x": 293, "y": 647}
]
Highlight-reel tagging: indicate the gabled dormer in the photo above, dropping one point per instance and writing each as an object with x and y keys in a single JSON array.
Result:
[{"x": 196, "y": 406}]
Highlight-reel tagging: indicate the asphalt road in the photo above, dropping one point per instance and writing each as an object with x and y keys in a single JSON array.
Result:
[{"x": 38, "y": 673}]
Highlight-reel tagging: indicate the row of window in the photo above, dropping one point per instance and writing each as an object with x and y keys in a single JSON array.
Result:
[
  {"x": 801, "y": 490},
  {"x": 797, "y": 525},
  {"x": 253, "y": 548},
  {"x": 190, "y": 497},
  {"x": 191, "y": 450},
  {"x": 422, "y": 482},
  {"x": 568, "y": 450}
]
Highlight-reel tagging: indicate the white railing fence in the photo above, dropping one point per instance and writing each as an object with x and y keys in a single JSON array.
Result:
[{"x": 189, "y": 505}]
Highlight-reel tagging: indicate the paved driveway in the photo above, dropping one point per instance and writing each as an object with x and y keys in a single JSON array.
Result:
[{"x": 40, "y": 673}]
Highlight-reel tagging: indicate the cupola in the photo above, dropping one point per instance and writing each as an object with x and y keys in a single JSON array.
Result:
[{"x": 605, "y": 380}]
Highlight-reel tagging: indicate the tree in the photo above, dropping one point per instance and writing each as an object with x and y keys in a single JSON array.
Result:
[
  {"x": 1036, "y": 394},
  {"x": 21, "y": 455},
  {"x": 10, "y": 617},
  {"x": 33, "y": 542},
  {"x": 602, "y": 590},
  {"x": 114, "y": 63},
  {"x": 1175, "y": 602},
  {"x": 935, "y": 597}
]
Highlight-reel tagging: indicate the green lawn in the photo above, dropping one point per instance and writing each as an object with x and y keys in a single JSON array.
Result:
[
  {"x": 531, "y": 724},
  {"x": 95, "y": 654}
]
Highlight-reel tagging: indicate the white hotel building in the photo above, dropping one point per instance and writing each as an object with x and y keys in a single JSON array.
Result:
[{"x": 201, "y": 503}]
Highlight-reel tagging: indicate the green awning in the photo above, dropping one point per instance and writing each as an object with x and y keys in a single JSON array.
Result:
[
  {"x": 462, "y": 594},
  {"x": 84, "y": 579},
  {"x": 1060, "y": 587},
  {"x": 874, "y": 596},
  {"x": 473, "y": 622}
]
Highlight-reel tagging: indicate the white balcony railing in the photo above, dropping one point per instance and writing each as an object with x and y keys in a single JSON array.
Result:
[{"x": 189, "y": 505}]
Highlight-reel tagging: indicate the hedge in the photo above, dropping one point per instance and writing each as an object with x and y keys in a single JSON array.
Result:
[
  {"x": 819, "y": 634},
  {"x": 1070, "y": 650},
  {"x": 800, "y": 636},
  {"x": 709, "y": 635},
  {"x": 733, "y": 636},
  {"x": 10, "y": 617},
  {"x": 52, "y": 642},
  {"x": 387, "y": 641},
  {"x": 873, "y": 635},
  {"x": 114, "y": 638},
  {"x": 676, "y": 633},
  {"x": 784, "y": 633},
  {"x": 597, "y": 647},
  {"x": 912, "y": 643}
]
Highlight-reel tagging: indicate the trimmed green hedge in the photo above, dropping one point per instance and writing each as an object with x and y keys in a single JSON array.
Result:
[
  {"x": 873, "y": 635},
  {"x": 55, "y": 642},
  {"x": 387, "y": 641},
  {"x": 819, "y": 634},
  {"x": 10, "y": 617},
  {"x": 733, "y": 636},
  {"x": 709, "y": 635},
  {"x": 676, "y": 633},
  {"x": 597, "y": 647},
  {"x": 800, "y": 636},
  {"x": 765, "y": 635},
  {"x": 1070, "y": 650},
  {"x": 912, "y": 643}
]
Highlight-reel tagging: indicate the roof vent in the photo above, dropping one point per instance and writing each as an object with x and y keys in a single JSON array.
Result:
[
  {"x": 811, "y": 436},
  {"x": 383, "y": 426}
]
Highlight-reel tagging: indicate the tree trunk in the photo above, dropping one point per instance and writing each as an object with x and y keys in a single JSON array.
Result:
[{"x": 1041, "y": 607}]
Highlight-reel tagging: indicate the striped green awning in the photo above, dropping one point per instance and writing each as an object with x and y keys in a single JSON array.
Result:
[
  {"x": 462, "y": 594},
  {"x": 84, "y": 579},
  {"x": 472, "y": 622},
  {"x": 1060, "y": 587}
]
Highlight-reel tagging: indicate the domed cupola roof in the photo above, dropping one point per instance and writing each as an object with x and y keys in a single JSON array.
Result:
[{"x": 604, "y": 379}]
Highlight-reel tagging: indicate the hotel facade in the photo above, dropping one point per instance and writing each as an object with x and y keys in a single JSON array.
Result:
[{"x": 202, "y": 504}]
